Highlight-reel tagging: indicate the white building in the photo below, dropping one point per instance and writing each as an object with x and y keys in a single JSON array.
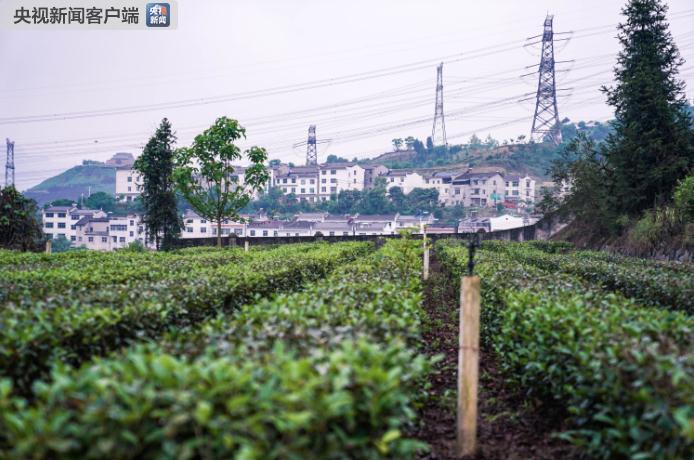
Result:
[
  {"x": 128, "y": 184},
  {"x": 477, "y": 189},
  {"x": 336, "y": 177},
  {"x": 520, "y": 189},
  {"x": 107, "y": 233},
  {"x": 59, "y": 221},
  {"x": 195, "y": 226},
  {"x": 301, "y": 181}
]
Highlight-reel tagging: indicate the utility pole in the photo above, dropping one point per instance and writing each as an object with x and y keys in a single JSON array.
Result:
[
  {"x": 546, "y": 124},
  {"x": 438, "y": 111},
  {"x": 9, "y": 165}
]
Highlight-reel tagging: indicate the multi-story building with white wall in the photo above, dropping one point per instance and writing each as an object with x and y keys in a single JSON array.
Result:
[
  {"x": 128, "y": 184},
  {"x": 520, "y": 189},
  {"x": 107, "y": 233},
  {"x": 337, "y": 177},
  {"x": 59, "y": 221},
  {"x": 477, "y": 189}
]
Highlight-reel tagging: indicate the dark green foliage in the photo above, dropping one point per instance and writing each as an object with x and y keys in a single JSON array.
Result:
[
  {"x": 158, "y": 196},
  {"x": 90, "y": 305},
  {"x": 652, "y": 146},
  {"x": 331, "y": 372},
  {"x": 622, "y": 373},
  {"x": 100, "y": 200},
  {"x": 19, "y": 226}
]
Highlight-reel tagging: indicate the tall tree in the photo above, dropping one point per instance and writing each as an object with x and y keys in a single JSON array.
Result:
[
  {"x": 652, "y": 145},
  {"x": 101, "y": 200},
  {"x": 158, "y": 197},
  {"x": 19, "y": 226},
  {"x": 207, "y": 178}
]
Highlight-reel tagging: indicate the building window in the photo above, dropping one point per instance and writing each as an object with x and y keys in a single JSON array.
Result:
[
  {"x": 515, "y": 183},
  {"x": 49, "y": 214},
  {"x": 132, "y": 222},
  {"x": 264, "y": 232},
  {"x": 312, "y": 181},
  {"x": 303, "y": 190},
  {"x": 49, "y": 224},
  {"x": 333, "y": 171},
  {"x": 189, "y": 229},
  {"x": 73, "y": 227},
  {"x": 91, "y": 239},
  {"x": 203, "y": 221},
  {"x": 293, "y": 189},
  {"x": 527, "y": 183},
  {"x": 104, "y": 239},
  {"x": 284, "y": 181},
  {"x": 119, "y": 228},
  {"x": 333, "y": 181},
  {"x": 303, "y": 181},
  {"x": 323, "y": 181},
  {"x": 322, "y": 189},
  {"x": 121, "y": 239},
  {"x": 61, "y": 215},
  {"x": 130, "y": 189},
  {"x": 331, "y": 233},
  {"x": 312, "y": 190},
  {"x": 115, "y": 239},
  {"x": 333, "y": 189},
  {"x": 323, "y": 172},
  {"x": 130, "y": 178},
  {"x": 274, "y": 233},
  {"x": 61, "y": 224},
  {"x": 73, "y": 238},
  {"x": 132, "y": 233},
  {"x": 203, "y": 229}
]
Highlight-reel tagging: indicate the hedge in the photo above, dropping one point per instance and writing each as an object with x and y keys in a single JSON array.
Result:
[
  {"x": 329, "y": 372},
  {"x": 668, "y": 286},
  {"x": 76, "y": 326},
  {"x": 622, "y": 372}
]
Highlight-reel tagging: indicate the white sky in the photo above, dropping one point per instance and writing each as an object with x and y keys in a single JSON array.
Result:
[{"x": 237, "y": 47}]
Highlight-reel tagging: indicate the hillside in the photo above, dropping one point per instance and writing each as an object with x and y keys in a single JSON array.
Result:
[{"x": 74, "y": 182}]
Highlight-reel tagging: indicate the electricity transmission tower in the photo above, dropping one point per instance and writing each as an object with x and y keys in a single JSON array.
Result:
[
  {"x": 438, "y": 111},
  {"x": 546, "y": 119},
  {"x": 9, "y": 165},
  {"x": 311, "y": 146}
]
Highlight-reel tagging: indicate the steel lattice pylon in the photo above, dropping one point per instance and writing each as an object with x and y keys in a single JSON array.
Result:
[
  {"x": 311, "y": 150},
  {"x": 438, "y": 111},
  {"x": 546, "y": 119},
  {"x": 9, "y": 165}
]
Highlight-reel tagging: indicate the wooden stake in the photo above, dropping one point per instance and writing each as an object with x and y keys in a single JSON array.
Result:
[
  {"x": 246, "y": 245},
  {"x": 425, "y": 273},
  {"x": 468, "y": 365},
  {"x": 49, "y": 246}
]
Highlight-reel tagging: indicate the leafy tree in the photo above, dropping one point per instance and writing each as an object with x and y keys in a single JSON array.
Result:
[
  {"x": 582, "y": 174},
  {"x": 397, "y": 144},
  {"x": 205, "y": 175},
  {"x": 158, "y": 197},
  {"x": 475, "y": 142},
  {"x": 652, "y": 145},
  {"x": 422, "y": 199},
  {"x": 60, "y": 202},
  {"x": 19, "y": 226},
  {"x": 60, "y": 244},
  {"x": 409, "y": 142},
  {"x": 101, "y": 200},
  {"x": 397, "y": 197},
  {"x": 274, "y": 163},
  {"x": 430, "y": 144},
  {"x": 374, "y": 200},
  {"x": 336, "y": 159}
]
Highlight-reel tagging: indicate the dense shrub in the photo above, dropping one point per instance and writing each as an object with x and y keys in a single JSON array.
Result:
[
  {"x": 328, "y": 372},
  {"x": 80, "y": 323}
]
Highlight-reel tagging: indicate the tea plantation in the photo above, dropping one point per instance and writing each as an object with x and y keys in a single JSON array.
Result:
[{"x": 316, "y": 350}]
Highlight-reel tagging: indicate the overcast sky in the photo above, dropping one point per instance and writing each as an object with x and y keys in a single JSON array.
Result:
[{"x": 228, "y": 57}]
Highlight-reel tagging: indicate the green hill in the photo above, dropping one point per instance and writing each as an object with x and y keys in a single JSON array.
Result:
[{"x": 74, "y": 182}]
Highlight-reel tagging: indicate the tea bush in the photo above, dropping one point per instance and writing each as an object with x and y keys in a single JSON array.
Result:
[
  {"x": 329, "y": 372},
  {"x": 622, "y": 372}
]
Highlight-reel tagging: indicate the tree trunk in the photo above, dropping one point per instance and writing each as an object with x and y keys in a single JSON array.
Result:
[{"x": 219, "y": 233}]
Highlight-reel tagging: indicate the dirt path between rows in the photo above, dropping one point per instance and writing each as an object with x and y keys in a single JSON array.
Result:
[{"x": 509, "y": 428}]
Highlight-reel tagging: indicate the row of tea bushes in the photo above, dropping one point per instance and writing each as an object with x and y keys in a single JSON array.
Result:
[
  {"x": 74, "y": 327},
  {"x": 664, "y": 285},
  {"x": 41, "y": 275},
  {"x": 622, "y": 372},
  {"x": 329, "y": 372}
]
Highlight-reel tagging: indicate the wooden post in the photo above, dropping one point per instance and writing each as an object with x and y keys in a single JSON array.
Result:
[
  {"x": 246, "y": 245},
  {"x": 425, "y": 273},
  {"x": 49, "y": 246},
  {"x": 468, "y": 365}
]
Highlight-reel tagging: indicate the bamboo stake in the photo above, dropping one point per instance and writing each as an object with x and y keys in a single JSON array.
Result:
[
  {"x": 425, "y": 273},
  {"x": 246, "y": 245},
  {"x": 49, "y": 246},
  {"x": 468, "y": 365}
]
